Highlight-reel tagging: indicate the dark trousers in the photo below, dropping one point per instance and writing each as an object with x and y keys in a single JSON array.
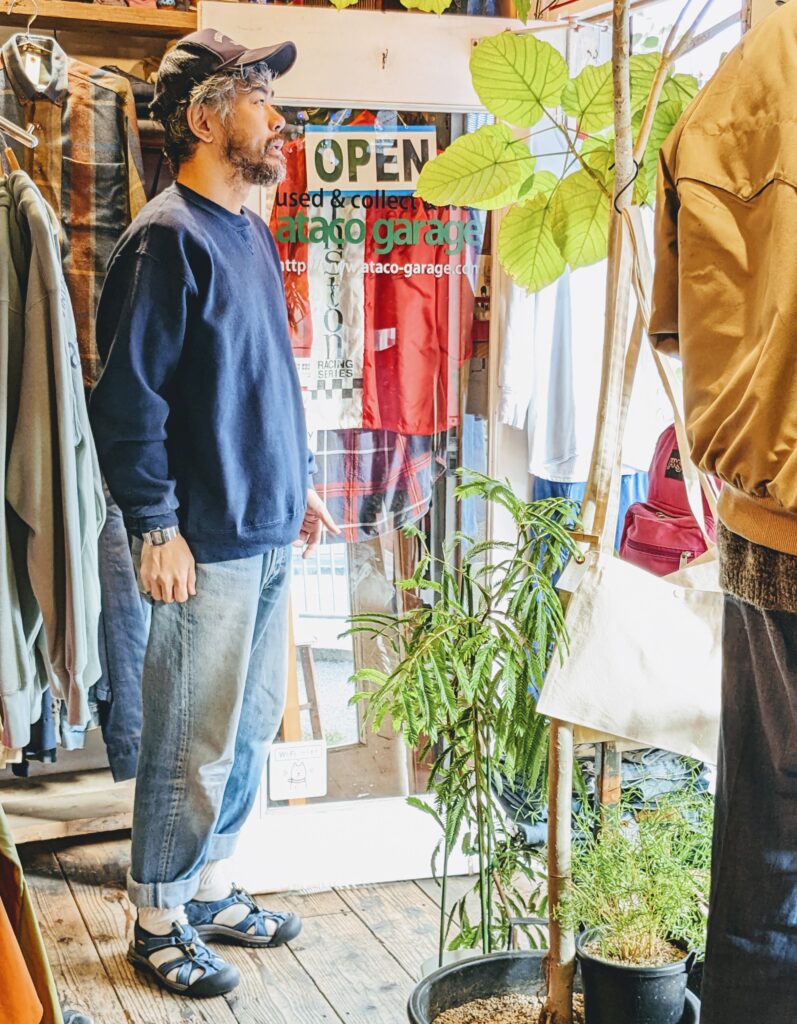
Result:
[{"x": 751, "y": 962}]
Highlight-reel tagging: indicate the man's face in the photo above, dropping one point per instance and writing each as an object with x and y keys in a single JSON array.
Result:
[{"x": 253, "y": 138}]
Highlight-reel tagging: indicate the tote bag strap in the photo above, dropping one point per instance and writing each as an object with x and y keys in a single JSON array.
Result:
[
  {"x": 606, "y": 527},
  {"x": 695, "y": 480}
]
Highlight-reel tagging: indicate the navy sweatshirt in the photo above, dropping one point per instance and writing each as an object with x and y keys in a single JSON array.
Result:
[{"x": 198, "y": 416}]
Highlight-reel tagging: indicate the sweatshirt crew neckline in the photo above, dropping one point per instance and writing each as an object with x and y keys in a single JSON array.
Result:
[{"x": 237, "y": 220}]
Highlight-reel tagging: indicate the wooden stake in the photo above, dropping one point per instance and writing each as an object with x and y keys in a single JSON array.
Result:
[{"x": 561, "y": 957}]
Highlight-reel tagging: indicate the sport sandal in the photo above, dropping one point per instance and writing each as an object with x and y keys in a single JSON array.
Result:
[
  {"x": 253, "y": 930},
  {"x": 190, "y": 955}
]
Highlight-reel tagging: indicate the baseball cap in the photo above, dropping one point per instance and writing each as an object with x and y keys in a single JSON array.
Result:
[{"x": 212, "y": 51}]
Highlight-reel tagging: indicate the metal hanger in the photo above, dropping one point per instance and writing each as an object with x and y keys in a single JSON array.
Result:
[
  {"x": 28, "y": 41},
  {"x": 24, "y": 136}
]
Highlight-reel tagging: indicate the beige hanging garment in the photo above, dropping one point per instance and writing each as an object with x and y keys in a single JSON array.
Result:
[{"x": 644, "y": 661}]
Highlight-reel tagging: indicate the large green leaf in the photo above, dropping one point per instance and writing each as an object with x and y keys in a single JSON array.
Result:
[
  {"x": 668, "y": 114},
  {"x": 517, "y": 76},
  {"x": 598, "y": 155},
  {"x": 544, "y": 183},
  {"x": 342, "y": 4},
  {"x": 540, "y": 183},
  {"x": 428, "y": 6},
  {"x": 580, "y": 220},
  {"x": 589, "y": 96},
  {"x": 484, "y": 169},
  {"x": 677, "y": 94},
  {"x": 682, "y": 88},
  {"x": 645, "y": 184},
  {"x": 526, "y": 246},
  {"x": 523, "y": 7},
  {"x": 643, "y": 70}
]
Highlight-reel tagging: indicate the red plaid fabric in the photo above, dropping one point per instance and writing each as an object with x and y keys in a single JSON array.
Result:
[{"x": 375, "y": 481}]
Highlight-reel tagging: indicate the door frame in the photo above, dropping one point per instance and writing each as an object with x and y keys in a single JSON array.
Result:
[{"x": 351, "y": 842}]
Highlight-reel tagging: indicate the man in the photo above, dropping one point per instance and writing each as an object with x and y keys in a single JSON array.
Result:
[
  {"x": 201, "y": 435},
  {"x": 725, "y": 295}
]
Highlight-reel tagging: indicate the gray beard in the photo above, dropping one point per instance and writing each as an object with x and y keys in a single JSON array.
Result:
[{"x": 251, "y": 169}]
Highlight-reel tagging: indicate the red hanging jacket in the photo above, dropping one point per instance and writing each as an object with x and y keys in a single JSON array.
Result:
[{"x": 415, "y": 323}]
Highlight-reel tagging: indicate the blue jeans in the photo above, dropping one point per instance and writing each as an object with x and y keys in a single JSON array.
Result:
[
  {"x": 214, "y": 687},
  {"x": 124, "y": 625},
  {"x": 633, "y": 488},
  {"x": 751, "y": 957}
]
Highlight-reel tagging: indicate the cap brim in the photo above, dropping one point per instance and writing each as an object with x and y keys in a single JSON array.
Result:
[{"x": 279, "y": 59}]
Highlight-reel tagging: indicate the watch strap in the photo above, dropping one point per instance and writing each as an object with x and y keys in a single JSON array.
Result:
[{"x": 161, "y": 535}]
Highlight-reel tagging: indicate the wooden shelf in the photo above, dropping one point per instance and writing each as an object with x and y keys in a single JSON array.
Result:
[
  {"x": 74, "y": 804},
  {"x": 133, "y": 21}
]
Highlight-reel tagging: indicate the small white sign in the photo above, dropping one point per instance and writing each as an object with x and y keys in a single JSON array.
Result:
[
  {"x": 297, "y": 771},
  {"x": 366, "y": 159},
  {"x": 33, "y": 68}
]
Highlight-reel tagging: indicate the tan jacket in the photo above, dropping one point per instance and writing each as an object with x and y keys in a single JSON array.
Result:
[{"x": 726, "y": 278}]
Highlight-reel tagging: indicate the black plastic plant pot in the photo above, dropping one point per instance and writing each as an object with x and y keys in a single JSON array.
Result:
[
  {"x": 499, "y": 974},
  {"x": 695, "y": 983},
  {"x": 623, "y": 994}
]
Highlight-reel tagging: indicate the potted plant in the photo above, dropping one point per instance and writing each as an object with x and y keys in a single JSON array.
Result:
[
  {"x": 469, "y": 663},
  {"x": 612, "y": 120},
  {"x": 640, "y": 891}
]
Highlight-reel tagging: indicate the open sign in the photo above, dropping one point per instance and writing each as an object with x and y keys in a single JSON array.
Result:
[{"x": 367, "y": 159}]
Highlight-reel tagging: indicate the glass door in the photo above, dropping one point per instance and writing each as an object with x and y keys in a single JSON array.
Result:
[{"x": 388, "y": 303}]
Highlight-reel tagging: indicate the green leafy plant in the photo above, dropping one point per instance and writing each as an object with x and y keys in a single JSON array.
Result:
[
  {"x": 523, "y": 7},
  {"x": 551, "y": 222},
  {"x": 641, "y": 880},
  {"x": 463, "y": 692}
]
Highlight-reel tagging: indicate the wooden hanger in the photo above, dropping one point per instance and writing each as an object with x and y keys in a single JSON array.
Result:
[{"x": 10, "y": 159}]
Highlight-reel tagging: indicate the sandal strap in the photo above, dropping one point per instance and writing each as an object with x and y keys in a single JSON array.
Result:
[
  {"x": 258, "y": 915},
  {"x": 254, "y": 923},
  {"x": 190, "y": 953}
]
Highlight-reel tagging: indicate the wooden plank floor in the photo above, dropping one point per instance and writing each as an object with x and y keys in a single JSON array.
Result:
[{"x": 355, "y": 962}]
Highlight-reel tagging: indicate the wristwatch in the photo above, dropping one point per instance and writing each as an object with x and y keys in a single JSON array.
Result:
[{"x": 161, "y": 536}]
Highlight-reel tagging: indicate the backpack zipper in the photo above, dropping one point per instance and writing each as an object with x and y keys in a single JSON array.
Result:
[{"x": 652, "y": 549}]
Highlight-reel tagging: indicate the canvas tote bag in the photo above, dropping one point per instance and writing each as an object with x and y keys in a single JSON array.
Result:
[{"x": 644, "y": 659}]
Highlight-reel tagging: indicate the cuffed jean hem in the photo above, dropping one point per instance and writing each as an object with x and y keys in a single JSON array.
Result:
[
  {"x": 222, "y": 846},
  {"x": 163, "y": 895}
]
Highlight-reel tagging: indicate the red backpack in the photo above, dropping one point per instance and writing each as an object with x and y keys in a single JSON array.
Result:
[{"x": 661, "y": 534}]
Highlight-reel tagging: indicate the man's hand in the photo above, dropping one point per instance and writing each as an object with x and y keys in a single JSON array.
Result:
[
  {"x": 315, "y": 519},
  {"x": 168, "y": 571}
]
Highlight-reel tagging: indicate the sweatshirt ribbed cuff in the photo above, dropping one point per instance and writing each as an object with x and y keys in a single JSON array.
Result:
[
  {"x": 143, "y": 524},
  {"x": 760, "y": 520}
]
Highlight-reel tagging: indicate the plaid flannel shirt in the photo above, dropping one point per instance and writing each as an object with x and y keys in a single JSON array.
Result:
[
  {"x": 375, "y": 481},
  {"x": 87, "y": 166}
]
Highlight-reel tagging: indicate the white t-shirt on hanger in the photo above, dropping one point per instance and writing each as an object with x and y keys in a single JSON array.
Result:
[{"x": 550, "y": 375}]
